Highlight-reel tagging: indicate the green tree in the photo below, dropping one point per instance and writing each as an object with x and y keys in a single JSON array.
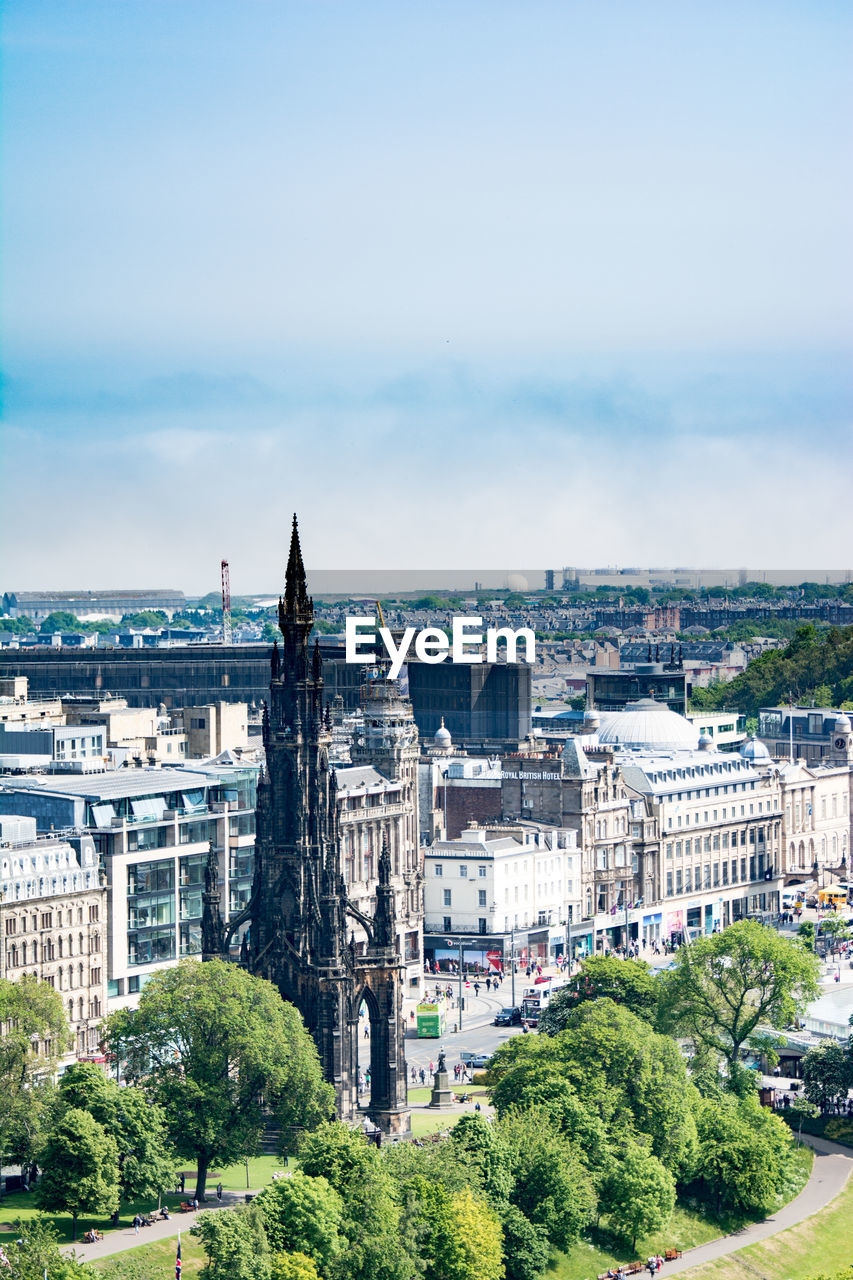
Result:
[
  {"x": 145, "y": 618},
  {"x": 235, "y": 1244},
  {"x": 639, "y": 1194},
  {"x": 478, "y": 1145},
  {"x": 293, "y": 1266},
  {"x": 17, "y": 626},
  {"x": 827, "y": 1074},
  {"x": 79, "y": 1168},
  {"x": 552, "y": 1186},
  {"x": 724, "y": 986},
  {"x": 630, "y": 983},
  {"x": 371, "y": 1223},
  {"x": 35, "y": 1036},
  {"x": 463, "y": 1237},
  {"x": 619, "y": 1066},
  {"x": 302, "y": 1214},
  {"x": 146, "y": 1160},
  {"x": 60, "y": 620},
  {"x": 806, "y": 934},
  {"x": 213, "y": 1044},
  {"x": 31, "y": 1251},
  {"x": 527, "y": 1250},
  {"x": 803, "y": 1109},
  {"x": 743, "y": 1153}
]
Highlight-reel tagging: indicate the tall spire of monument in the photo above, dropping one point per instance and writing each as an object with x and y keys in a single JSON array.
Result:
[{"x": 296, "y": 603}]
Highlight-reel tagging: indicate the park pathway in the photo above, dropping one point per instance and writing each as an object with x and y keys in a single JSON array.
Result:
[
  {"x": 126, "y": 1238},
  {"x": 832, "y": 1167}
]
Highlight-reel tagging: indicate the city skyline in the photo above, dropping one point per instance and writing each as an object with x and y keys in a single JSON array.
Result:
[{"x": 484, "y": 287}]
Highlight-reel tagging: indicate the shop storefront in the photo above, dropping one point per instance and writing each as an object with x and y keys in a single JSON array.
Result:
[{"x": 652, "y": 926}]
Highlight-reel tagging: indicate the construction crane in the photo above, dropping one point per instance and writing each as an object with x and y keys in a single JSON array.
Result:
[
  {"x": 379, "y": 612},
  {"x": 226, "y": 604}
]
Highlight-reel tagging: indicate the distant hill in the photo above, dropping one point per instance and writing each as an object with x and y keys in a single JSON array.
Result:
[{"x": 815, "y": 665}]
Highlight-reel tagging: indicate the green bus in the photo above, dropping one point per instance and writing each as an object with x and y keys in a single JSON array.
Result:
[{"x": 432, "y": 1020}]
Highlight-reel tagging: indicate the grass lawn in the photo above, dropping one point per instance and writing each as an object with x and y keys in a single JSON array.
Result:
[
  {"x": 156, "y": 1259},
  {"x": 21, "y": 1204},
  {"x": 424, "y": 1122},
  {"x": 261, "y": 1170},
  {"x": 822, "y": 1242},
  {"x": 689, "y": 1226}
]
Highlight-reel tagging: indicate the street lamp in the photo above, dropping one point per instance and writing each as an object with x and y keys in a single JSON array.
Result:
[{"x": 449, "y": 942}]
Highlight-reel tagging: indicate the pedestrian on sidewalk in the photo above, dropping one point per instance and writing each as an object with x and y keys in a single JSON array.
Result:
[
  {"x": 137, "y": 1223},
  {"x": 219, "y": 1191}
]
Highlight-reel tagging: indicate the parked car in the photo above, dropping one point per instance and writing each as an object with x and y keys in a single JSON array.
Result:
[
  {"x": 479, "y": 1061},
  {"x": 507, "y": 1018}
]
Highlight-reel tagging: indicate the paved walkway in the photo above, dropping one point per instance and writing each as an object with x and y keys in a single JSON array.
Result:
[
  {"x": 832, "y": 1167},
  {"x": 126, "y": 1238}
]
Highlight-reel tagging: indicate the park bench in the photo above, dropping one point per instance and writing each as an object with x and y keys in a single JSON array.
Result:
[
  {"x": 186, "y": 1207},
  {"x": 634, "y": 1268}
]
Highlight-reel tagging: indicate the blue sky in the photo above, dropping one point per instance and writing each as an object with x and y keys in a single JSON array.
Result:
[{"x": 487, "y": 283}]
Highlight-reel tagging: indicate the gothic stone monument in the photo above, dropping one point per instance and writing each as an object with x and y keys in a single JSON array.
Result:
[{"x": 299, "y": 913}]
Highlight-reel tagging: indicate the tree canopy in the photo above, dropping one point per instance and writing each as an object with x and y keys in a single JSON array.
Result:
[
  {"x": 79, "y": 1168},
  {"x": 629, "y": 983},
  {"x": 724, "y": 986},
  {"x": 812, "y": 659},
  {"x": 35, "y": 1037},
  {"x": 827, "y": 1074},
  {"x": 215, "y": 1046},
  {"x": 235, "y": 1244},
  {"x": 743, "y": 1153},
  {"x": 146, "y": 1161}
]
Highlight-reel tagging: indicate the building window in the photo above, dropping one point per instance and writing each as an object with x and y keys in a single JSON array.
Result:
[
  {"x": 482, "y": 872},
  {"x": 481, "y": 898},
  {"x": 439, "y": 869},
  {"x": 463, "y": 870},
  {"x": 151, "y": 912},
  {"x": 447, "y": 924},
  {"x": 447, "y": 897},
  {"x": 669, "y": 884},
  {"x": 482, "y": 923}
]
